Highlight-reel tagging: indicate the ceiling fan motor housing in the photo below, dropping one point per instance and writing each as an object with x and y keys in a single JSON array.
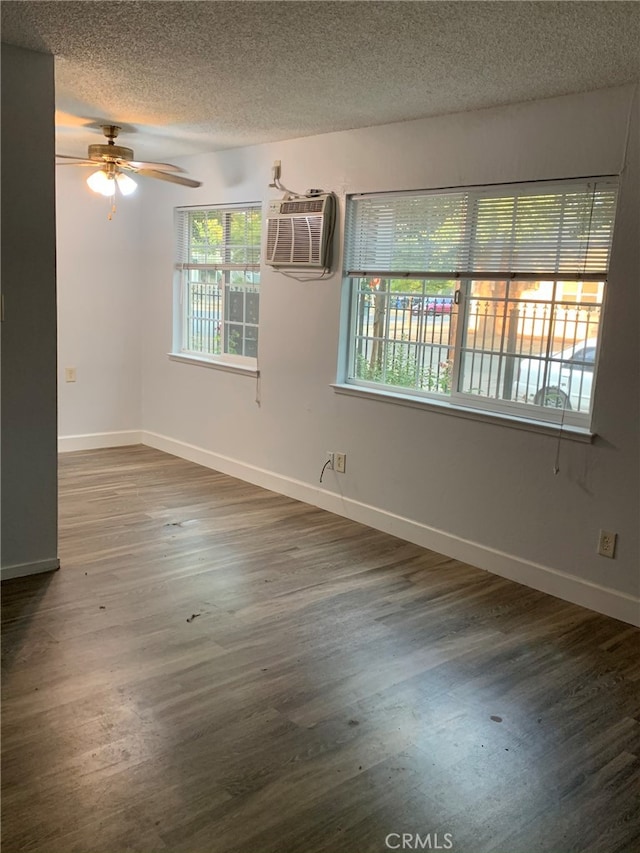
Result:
[{"x": 110, "y": 152}]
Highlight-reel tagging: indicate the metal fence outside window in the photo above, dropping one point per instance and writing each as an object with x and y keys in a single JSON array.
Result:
[{"x": 531, "y": 343}]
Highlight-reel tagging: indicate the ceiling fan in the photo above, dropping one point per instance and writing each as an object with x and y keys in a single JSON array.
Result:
[{"x": 114, "y": 161}]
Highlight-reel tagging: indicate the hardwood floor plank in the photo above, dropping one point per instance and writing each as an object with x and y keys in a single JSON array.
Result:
[{"x": 217, "y": 668}]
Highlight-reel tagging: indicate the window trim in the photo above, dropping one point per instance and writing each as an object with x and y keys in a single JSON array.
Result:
[
  {"x": 215, "y": 363},
  {"x": 379, "y": 394}
]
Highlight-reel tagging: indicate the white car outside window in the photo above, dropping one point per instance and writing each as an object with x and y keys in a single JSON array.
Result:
[{"x": 564, "y": 381}]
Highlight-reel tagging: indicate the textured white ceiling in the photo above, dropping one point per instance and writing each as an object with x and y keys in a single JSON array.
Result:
[{"x": 190, "y": 77}]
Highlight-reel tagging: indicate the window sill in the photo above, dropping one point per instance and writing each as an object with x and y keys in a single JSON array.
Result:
[
  {"x": 216, "y": 364},
  {"x": 443, "y": 407}
]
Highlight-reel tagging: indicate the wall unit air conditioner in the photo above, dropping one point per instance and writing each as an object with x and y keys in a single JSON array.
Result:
[{"x": 300, "y": 232}]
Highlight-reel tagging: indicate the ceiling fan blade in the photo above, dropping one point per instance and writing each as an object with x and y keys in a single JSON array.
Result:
[
  {"x": 78, "y": 160},
  {"x": 172, "y": 179},
  {"x": 140, "y": 164},
  {"x": 83, "y": 163}
]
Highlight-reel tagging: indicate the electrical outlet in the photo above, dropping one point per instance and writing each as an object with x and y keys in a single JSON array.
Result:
[
  {"x": 330, "y": 459},
  {"x": 340, "y": 462},
  {"x": 607, "y": 543},
  {"x": 70, "y": 374}
]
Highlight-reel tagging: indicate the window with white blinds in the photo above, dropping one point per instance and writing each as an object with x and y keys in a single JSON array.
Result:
[
  {"x": 218, "y": 268},
  {"x": 498, "y": 232},
  {"x": 488, "y": 297}
]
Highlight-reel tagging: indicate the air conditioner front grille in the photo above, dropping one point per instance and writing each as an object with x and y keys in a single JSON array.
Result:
[
  {"x": 303, "y": 206},
  {"x": 279, "y": 240},
  {"x": 299, "y": 232}
]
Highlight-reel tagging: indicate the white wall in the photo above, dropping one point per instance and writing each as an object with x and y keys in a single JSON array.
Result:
[
  {"x": 29, "y": 458},
  {"x": 478, "y": 491},
  {"x": 100, "y": 313}
]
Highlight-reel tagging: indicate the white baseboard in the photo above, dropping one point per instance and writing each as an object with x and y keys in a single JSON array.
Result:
[
  {"x": 568, "y": 587},
  {"x": 97, "y": 440},
  {"x": 21, "y": 570}
]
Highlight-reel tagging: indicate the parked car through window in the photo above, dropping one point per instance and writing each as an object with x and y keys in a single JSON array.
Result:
[{"x": 564, "y": 381}]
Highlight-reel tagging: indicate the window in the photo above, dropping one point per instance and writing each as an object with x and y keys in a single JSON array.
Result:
[
  {"x": 218, "y": 263},
  {"x": 488, "y": 298}
]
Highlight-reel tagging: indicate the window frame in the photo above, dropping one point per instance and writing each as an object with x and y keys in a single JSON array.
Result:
[
  {"x": 233, "y": 362},
  {"x": 522, "y": 413}
]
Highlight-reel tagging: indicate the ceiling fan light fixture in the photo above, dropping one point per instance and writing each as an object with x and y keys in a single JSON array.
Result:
[
  {"x": 113, "y": 162},
  {"x": 126, "y": 185},
  {"x": 102, "y": 182}
]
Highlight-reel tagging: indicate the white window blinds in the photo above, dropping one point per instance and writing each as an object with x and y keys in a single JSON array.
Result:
[
  {"x": 526, "y": 231},
  {"x": 226, "y": 237}
]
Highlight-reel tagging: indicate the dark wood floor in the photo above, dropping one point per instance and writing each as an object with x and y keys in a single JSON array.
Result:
[{"x": 219, "y": 668}]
